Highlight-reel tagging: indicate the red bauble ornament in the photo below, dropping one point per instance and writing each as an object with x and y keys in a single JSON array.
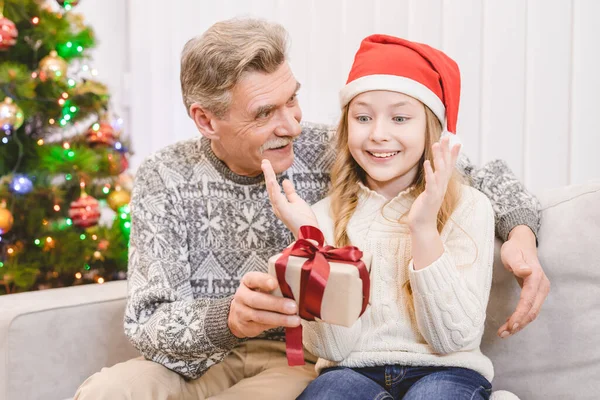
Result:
[
  {"x": 8, "y": 34},
  {"x": 101, "y": 133},
  {"x": 71, "y": 3},
  {"x": 85, "y": 211}
]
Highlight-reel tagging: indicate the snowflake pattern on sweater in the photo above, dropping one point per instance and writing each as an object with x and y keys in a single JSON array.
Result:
[{"x": 197, "y": 228}]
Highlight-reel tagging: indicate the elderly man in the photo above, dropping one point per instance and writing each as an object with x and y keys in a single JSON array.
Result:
[{"x": 199, "y": 307}]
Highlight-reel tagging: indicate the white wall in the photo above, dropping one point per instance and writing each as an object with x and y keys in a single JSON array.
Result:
[
  {"x": 530, "y": 80},
  {"x": 109, "y": 20}
]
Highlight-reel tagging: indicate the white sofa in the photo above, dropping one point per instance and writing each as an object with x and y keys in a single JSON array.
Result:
[{"x": 50, "y": 341}]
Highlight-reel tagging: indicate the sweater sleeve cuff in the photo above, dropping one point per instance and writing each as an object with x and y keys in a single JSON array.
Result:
[
  {"x": 435, "y": 277},
  {"x": 520, "y": 216},
  {"x": 216, "y": 326}
]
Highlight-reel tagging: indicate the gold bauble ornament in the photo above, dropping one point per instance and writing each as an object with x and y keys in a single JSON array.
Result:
[
  {"x": 6, "y": 219},
  {"x": 11, "y": 115},
  {"x": 77, "y": 20},
  {"x": 90, "y": 86},
  {"x": 53, "y": 67},
  {"x": 118, "y": 198}
]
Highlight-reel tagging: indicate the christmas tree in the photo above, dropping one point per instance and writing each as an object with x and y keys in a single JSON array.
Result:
[{"x": 64, "y": 191}]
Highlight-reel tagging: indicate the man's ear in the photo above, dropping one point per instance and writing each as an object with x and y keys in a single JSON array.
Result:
[{"x": 204, "y": 120}]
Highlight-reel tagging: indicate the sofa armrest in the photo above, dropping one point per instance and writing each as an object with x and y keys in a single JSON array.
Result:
[{"x": 52, "y": 340}]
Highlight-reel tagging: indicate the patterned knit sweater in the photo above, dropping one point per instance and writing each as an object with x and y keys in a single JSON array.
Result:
[
  {"x": 429, "y": 317},
  {"x": 197, "y": 228}
]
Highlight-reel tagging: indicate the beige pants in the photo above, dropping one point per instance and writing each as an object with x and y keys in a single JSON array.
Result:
[{"x": 256, "y": 369}]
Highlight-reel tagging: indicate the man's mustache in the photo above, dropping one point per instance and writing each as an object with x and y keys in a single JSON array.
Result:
[{"x": 276, "y": 143}]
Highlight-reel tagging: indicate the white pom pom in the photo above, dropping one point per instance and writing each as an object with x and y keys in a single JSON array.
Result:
[{"x": 454, "y": 139}]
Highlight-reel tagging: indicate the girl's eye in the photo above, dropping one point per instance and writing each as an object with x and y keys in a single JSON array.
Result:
[
  {"x": 400, "y": 119},
  {"x": 363, "y": 118}
]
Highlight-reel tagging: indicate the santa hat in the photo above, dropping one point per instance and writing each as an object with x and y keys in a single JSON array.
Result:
[{"x": 415, "y": 69}]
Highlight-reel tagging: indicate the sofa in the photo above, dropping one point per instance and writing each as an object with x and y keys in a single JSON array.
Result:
[{"x": 50, "y": 341}]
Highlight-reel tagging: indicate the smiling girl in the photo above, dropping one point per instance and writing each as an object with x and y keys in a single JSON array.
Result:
[{"x": 396, "y": 195}]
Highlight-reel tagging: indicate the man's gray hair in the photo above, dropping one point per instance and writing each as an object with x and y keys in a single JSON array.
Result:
[{"x": 214, "y": 62}]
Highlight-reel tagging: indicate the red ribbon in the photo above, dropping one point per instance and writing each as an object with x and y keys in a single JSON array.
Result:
[{"x": 313, "y": 279}]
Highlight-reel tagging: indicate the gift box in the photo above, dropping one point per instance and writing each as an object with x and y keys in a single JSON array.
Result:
[
  {"x": 328, "y": 283},
  {"x": 343, "y": 295}
]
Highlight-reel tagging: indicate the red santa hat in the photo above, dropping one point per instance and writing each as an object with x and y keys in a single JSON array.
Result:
[{"x": 415, "y": 69}]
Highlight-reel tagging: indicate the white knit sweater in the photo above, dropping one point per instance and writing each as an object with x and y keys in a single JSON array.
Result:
[{"x": 431, "y": 317}]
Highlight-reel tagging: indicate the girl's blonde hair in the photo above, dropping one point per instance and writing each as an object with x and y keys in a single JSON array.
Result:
[{"x": 346, "y": 173}]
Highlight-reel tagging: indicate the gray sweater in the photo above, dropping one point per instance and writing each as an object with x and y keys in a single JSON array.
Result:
[{"x": 197, "y": 228}]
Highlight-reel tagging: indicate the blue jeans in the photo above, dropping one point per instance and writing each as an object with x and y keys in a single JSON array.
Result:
[{"x": 396, "y": 382}]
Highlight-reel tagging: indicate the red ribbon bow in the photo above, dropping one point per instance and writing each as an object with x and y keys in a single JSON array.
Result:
[{"x": 313, "y": 279}]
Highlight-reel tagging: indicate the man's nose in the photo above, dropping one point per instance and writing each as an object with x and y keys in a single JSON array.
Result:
[{"x": 289, "y": 124}]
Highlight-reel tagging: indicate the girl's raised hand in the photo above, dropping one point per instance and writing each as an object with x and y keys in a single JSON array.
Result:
[
  {"x": 424, "y": 210},
  {"x": 289, "y": 208}
]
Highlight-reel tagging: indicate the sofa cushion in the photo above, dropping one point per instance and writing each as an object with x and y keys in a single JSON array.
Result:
[
  {"x": 51, "y": 340},
  {"x": 558, "y": 355}
]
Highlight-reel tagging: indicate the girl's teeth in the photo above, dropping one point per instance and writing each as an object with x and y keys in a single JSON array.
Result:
[{"x": 384, "y": 155}]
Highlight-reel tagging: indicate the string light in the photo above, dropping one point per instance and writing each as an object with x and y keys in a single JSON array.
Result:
[
  {"x": 40, "y": 142},
  {"x": 65, "y": 95},
  {"x": 56, "y": 208},
  {"x": 101, "y": 280},
  {"x": 49, "y": 239},
  {"x": 51, "y": 121},
  {"x": 78, "y": 275},
  {"x": 37, "y": 242},
  {"x": 10, "y": 251},
  {"x": 66, "y": 146},
  {"x": 69, "y": 221},
  {"x": 35, "y": 20},
  {"x": 61, "y": 101},
  {"x": 82, "y": 236},
  {"x": 94, "y": 237}
]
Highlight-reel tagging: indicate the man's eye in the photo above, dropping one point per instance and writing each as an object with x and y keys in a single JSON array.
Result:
[{"x": 264, "y": 114}]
